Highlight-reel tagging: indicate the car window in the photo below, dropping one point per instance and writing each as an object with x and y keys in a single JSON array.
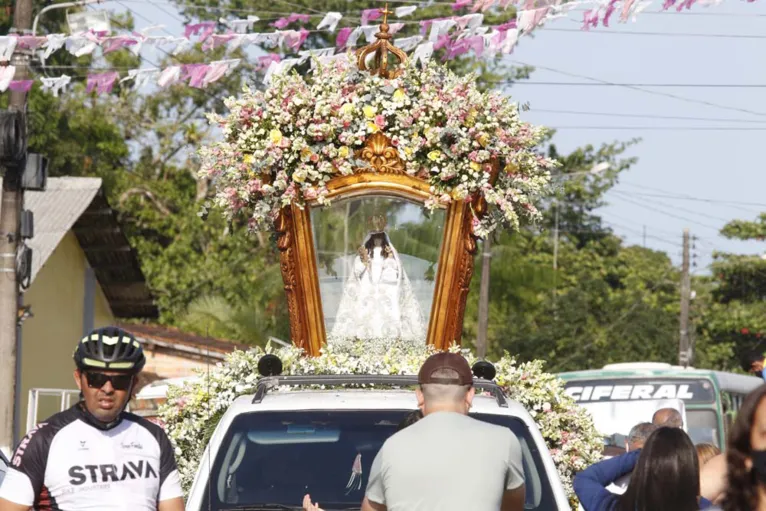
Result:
[
  {"x": 3, "y": 466},
  {"x": 278, "y": 457}
]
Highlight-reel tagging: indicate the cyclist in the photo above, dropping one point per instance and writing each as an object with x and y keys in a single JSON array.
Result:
[{"x": 96, "y": 456}]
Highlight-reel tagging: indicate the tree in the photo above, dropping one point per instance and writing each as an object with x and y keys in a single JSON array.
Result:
[
  {"x": 604, "y": 303},
  {"x": 732, "y": 321}
]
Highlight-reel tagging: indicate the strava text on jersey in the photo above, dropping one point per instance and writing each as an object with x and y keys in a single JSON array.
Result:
[{"x": 67, "y": 464}]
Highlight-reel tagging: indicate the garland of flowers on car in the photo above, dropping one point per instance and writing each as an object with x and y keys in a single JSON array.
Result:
[
  {"x": 192, "y": 412},
  {"x": 283, "y": 144}
]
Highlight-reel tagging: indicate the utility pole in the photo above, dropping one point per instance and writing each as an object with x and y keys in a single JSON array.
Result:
[
  {"x": 556, "y": 237},
  {"x": 644, "y": 236},
  {"x": 684, "y": 346},
  {"x": 481, "y": 337},
  {"x": 10, "y": 213}
]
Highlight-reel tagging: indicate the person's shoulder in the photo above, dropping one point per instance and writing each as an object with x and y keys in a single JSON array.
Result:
[{"x": 53, "y": 424}]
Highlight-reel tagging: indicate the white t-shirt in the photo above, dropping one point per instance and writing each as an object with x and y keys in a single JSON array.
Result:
[
  {"x": 65, "y": 463},
  {"x": 446, "y": 462}
]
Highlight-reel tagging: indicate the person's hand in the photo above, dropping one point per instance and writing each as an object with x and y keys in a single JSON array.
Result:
[{"x": 308, "y": 505}]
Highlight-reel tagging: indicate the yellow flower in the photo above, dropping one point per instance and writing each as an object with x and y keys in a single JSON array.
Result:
[
  {"x": 299, "y": 176},
  {"x": 434, "y": 155},
  {"x": 343, "y": 152},
  {"x": 372, "y": 127},
  {"x": 369, "y": 111},
  {"x": 484, "y": 139},
  {"x": 408, "y": 151},
  {"x": 347, "y": 109},
  {"x": 427, "y": 132},
  {"x": 511, "y": 168},
  {"x": 249, "y": 159},
  {"x": 399, "y": 95},
  {"x": 475, "y": 166},
  {"x": 275, "y": 136},
  {"x": 305, "y": 153},
  {"x": 470, "y": 120}
]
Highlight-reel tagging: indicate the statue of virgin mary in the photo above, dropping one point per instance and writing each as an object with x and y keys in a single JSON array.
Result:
[{"x": 378, "y": 301}]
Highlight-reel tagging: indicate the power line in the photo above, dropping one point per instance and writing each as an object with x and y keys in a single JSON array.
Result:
[
  {"x": 668, "y": 213},
  {"x": 733, "y": 203},
  {"x": 614, "y": 84},
  {"x": 646, "y": 91},
  {"x": 644, "y": 116},
  {"x": 675, "y": 207},
  {"x": 658, "y": 128},
  {"x": 660, "y": 34},
  {"x": 698, "y": 199}
]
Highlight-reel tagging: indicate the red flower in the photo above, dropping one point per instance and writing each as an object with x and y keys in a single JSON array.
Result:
[{"x": 744, "y": 331}]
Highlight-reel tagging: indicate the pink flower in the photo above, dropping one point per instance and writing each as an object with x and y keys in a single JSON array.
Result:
[
  {"x": 380, "y": 121},
  {"x": 310, "y": 193}
]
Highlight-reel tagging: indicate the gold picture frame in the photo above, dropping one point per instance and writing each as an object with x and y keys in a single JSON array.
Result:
[{"x": 385, "y": 176}]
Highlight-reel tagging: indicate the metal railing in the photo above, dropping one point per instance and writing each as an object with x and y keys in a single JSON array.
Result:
[
  {"x": 65, "y": 395},
  {"x": 271, "y": 382}
]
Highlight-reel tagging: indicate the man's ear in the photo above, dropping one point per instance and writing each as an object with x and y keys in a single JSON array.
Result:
[
  {"x": 78, "y": 379},
  {"x": 469, "y": 396},
  {"x": 421, "y": 398}
]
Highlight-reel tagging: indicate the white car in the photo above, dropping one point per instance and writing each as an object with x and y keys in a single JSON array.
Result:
[
  {"x": 273, "y": 447},
  {"x": 3, "y": 466}
]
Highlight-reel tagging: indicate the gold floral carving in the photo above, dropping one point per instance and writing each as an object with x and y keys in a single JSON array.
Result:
[
  {"x": 387, "y": 178},
  {"x": 301, "y": 281},
  {"x": 456, "y": 266},
  {"x": 382, "y": 156}
]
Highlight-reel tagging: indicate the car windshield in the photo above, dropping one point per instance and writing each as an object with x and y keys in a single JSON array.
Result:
[{"x": 278, "y": 457}]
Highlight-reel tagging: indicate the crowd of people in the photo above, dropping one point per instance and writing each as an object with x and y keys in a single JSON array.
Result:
[
  {"x": 83, "y": 457},
  {"x": 663, "y": 470}
]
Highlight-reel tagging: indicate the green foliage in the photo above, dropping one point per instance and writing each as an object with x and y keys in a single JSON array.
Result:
[
  {"x": 734, "y": 318},
  {"x": 603, "y": 303}
]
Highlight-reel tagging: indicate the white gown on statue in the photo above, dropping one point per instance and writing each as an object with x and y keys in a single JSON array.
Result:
[{"x": 378, "y": 302}]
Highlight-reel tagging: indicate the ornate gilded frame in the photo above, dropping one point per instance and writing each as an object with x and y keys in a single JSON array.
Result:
[{"x": 385, "y": 177}]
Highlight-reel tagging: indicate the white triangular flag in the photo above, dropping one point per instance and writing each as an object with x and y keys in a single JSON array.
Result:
[
  {"x": 401, "y": 12},
  {"x": 330, "y": 21},
  {"x": 423, "y": 52},
  {"x": 56, "y": 85},
  {"x": 408, "y": 43}
]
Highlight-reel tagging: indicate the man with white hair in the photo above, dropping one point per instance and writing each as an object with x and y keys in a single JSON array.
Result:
[{"x": 447, "y": 460}]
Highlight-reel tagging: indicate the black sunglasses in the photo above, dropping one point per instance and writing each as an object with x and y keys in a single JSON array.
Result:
[{"x": 118, "y": 381}]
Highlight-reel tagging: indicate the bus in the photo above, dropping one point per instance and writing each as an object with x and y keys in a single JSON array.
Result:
[{"x": 709, "y": 399}]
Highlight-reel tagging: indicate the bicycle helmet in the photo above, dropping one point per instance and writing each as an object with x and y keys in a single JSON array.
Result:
[{"x": 110, "y": 349}]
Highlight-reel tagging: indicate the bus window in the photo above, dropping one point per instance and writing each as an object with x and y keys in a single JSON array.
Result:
[
  {"x": 728, "y": 408},
  {"x": 702, "y": 426}
]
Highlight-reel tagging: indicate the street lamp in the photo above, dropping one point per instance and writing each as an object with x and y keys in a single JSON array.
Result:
[{"x": 98, "y": 21}]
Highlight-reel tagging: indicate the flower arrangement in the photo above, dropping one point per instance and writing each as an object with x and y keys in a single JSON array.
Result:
[
  {"x": 284, "y": 144},
  {"x": 191, "y": 412}
]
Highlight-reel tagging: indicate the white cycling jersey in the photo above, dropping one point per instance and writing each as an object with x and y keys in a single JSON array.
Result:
[{"x": 65, "y": 463}]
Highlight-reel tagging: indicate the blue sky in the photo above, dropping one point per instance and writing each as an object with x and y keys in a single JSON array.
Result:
[{"x": 707, "y": 45}]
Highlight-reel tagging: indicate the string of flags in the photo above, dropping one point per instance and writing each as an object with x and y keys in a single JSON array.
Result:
[{"x": 457, "y": 35}]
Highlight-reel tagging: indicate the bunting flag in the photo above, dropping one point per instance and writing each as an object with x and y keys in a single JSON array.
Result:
[{"x": 457, "y": 35}]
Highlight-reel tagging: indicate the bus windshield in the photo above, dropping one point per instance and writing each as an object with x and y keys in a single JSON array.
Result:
[{"x": 618, "y": 404}]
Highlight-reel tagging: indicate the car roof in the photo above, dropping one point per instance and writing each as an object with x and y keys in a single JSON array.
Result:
[{"x": 359, "y": 399}]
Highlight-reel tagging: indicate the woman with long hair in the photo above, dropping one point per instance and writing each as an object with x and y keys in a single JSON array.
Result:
[
  {"x": 746, "y": 456},
  {"x": 664, "y": 477}
]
